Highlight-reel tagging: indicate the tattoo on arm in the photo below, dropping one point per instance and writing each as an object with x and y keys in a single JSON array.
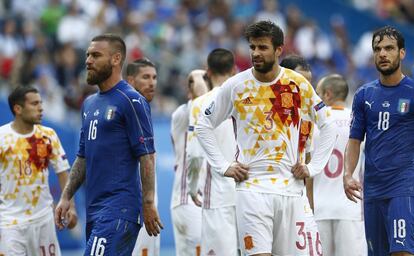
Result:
[
  {"x": 147, "y": 177},
  {"x": 76, "y": 177}
]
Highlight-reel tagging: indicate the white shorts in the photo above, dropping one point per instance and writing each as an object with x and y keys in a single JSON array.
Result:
[
  {"x": 186, "y": 221},
  {"x": 35, "y": 239},
  {"x": 219, "y": 232},
  {"x": 312, "y": 233},
  {"x": 146, "y": 245},
  {"x": 271, "y": 223},
  {"x": 339, "y": 237}
]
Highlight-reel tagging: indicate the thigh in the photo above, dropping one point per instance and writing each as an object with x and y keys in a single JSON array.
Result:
[
  {"x": 219, "y": 232},
  {"x": 45, "y": 237},
  {"x": 289, "y": 227},
  {"x": 254, "y": 213},
  {"x": 350, "y": 237},
  {"x": 400, "y": 223},
  {"x": 112, "y": 237},
  {"x": 13, "y": 241},
  {"x": 187, "y": 229},
  {"x": 375, "y": 230},
  {"x": 146, "y": 245},
  {"x": 326, "y": 236}
]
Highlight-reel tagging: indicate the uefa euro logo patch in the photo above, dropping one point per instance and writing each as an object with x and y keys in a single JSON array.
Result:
[
  {"x": 110, "y": 113},
  {"x": 403, "y": 106}
]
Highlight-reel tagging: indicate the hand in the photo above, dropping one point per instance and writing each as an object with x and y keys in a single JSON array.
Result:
[
  {"x": 195, "y": 199},
  {"x": 351, "y": 186},
  {"x": 238, "y": 171},
  {"x": 152, "y": 221},
  {"x": 61, "y": 213},
  {"x": 72, "y": 217},
  {"x": 300, "y": 171}
]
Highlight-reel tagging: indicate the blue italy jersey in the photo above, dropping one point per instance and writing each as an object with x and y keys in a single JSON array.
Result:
[
  {"x": 385, "y": 114},
  {"x": 116, "y": 131}
]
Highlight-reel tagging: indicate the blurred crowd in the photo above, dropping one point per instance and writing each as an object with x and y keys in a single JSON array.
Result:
[{"x": 43, "y": 43}]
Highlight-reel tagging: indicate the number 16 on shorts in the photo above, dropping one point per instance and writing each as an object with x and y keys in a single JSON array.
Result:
[{"x": 98, "y": 246}]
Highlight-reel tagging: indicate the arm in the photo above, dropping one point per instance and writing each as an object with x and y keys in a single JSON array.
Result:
[
  {"x": 151, "y": 218},
  {"x": 212, "y": 115},
  {"x": 76, "y": 178},
  {"x": 351, "y": 185},
  {"x": 72, "y": 216}
]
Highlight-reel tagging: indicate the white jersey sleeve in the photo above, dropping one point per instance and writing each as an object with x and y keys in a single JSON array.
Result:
[
  {"x": 321, "y": 116},
  {"x": 214, "y": 112}
]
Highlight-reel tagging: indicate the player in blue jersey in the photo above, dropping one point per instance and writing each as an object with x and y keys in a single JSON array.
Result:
[
  {"x": 383, "y": 112},
  {"x": 116, "y": 137}
]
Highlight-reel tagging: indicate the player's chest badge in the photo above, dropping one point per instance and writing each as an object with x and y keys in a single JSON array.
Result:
[
  {"x": 403, "y": 106},
  {"x": 110, "y": 113}
]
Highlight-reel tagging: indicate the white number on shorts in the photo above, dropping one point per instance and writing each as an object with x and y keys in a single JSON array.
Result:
[
  {"x": 98, "y": 246},
  {"x": 399, "y": 228},
  {"x": 383, "y": 120},
  {"x": 92, "y": 129},
  {"x": 52, "y": 250},
  {"x": 301, "y": 232}
]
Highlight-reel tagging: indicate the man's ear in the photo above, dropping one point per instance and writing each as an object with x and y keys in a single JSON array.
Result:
[
  {"x": 116, "y": 59},
  {"x": 17, "y": 109}
]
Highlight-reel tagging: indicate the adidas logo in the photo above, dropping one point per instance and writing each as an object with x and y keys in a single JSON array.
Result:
[{"x": 247, "y": 101}]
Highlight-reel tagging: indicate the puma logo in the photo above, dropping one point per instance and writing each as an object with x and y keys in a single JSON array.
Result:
[
  {"x": 369, "y": 104},
  {"x": 400, "y": 242}
]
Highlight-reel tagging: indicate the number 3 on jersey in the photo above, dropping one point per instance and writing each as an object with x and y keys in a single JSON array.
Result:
[{"x": 92, "y": 129}]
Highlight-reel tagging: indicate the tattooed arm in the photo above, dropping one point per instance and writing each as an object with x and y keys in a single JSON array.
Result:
[
  {"x": 151, "y": 219},
  {"x": 76, "y": 178}
]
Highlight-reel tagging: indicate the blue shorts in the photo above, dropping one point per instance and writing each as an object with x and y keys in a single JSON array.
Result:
[
  {"x": 108, "y": 236},
  {"x": 389, "y": 225}
]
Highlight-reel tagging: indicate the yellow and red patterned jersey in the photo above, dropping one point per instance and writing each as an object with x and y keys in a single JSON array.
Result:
[
  {"x": 24, "y": 160},
  {"x": 272, "y": 126}
]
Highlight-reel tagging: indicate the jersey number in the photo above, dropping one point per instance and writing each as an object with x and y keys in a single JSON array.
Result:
[
  {"x": 52, "y": 250},
  {"x": 92, "y": 129},
  {"x": 383, "y": 120},
  {"x": 25, "y": 168},
  {"x": 339, "y": 167},
  {"x": 98, "y": 246},
  {"x": 399, "y": 228}
]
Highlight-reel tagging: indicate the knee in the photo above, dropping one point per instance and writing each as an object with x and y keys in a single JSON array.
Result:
[{"x": 401, "y": 254}]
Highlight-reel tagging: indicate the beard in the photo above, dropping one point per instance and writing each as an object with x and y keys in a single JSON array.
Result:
[
  {"x": 96, "y": 77},
  {"x": 265, "y": 68},
  {"x": 389, "y": 71}
]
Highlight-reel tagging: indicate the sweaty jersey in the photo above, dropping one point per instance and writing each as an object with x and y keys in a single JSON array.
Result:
[
  {"x": 330, "y": 201},
  {"x": 385, "y": 114},
  {"x": 24, "y": 160},
  {"x": 116, "y": 131},
  {"x": 269, "y": 130},
  {"x": 218, "y": 191},
  {"x": 179, "y": 126}
]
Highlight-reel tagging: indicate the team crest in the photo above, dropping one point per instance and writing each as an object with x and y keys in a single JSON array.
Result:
[
  {"x": 304, "y": 128},
  {"x": 287, "y": 99},
  {"x": 110, "y": 113},
  {"x": 41, "y": 150},
  {"x": 404, "y": 106},
  {"x": 248, "y": 242}
]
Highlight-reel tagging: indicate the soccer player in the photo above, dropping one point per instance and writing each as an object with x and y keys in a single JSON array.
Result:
[
  {"x": 142, "y": 75},
  {"x": 185, "y": 215},
  {"x": 339, "y": 220},
  {"x": 383, "y": 112},
  {"x": 300, "y": 65},
  {"x": 218, "y": 207},
  {"x": 267, "y": 103},
  {"x": 26, "y": 150},
  {"x": 115, "y": 120}
]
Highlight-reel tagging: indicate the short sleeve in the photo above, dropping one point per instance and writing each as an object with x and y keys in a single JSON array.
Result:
[
  {"x": 58, "y": 157},
  {"x": 81, "y": 151},
  {"x": 139, "y": 127},
  {"x": 357, "y": 130}
]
